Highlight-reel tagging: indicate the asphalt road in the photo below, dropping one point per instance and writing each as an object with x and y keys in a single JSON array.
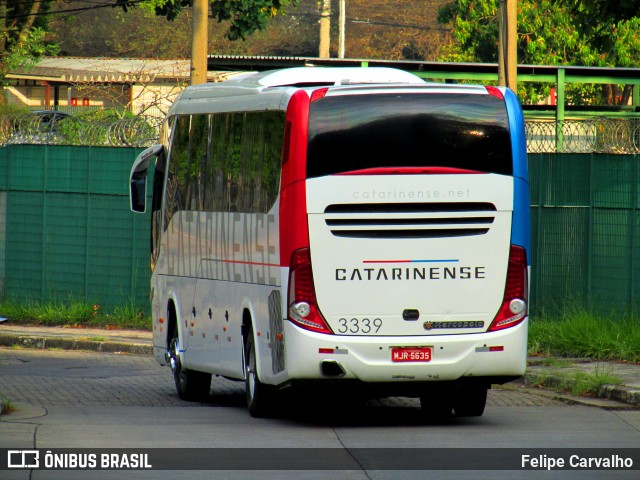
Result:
[{"x": 96, "y": 400}]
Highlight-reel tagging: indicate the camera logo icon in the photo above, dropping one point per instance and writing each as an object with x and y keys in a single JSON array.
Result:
[{"x": 23, "y": 459}]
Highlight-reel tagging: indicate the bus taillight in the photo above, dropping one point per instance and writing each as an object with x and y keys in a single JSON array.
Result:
[
  {"x": 303, "y": 309},
  {"x": 514, "y": 307}
]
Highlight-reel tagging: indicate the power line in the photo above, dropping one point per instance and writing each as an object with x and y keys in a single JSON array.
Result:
[
  {"x": 367, "y": 21},
  {"x": 101, "y": 4},
  {"x": 71, "y": 10}
]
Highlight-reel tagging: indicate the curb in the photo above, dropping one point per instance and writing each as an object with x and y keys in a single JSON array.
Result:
[
  {"x": 63, "y": 343},
  {"x": 617, "y": 393}
]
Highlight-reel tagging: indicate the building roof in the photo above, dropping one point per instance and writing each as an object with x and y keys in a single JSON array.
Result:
[{"x": 108, "y": 70}]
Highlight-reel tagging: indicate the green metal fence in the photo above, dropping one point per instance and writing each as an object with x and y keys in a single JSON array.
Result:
[
  {"x": 68, "y": 231},
  {"x": 585, "y": 231}
]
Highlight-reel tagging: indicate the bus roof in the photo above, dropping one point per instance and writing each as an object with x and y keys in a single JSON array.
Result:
[
  {"x": 267, "y": 90},
  {"x": 305, "y": 76}
]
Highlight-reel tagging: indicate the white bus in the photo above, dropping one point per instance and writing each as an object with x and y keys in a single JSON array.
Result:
[{"x": 344, "y": 227}]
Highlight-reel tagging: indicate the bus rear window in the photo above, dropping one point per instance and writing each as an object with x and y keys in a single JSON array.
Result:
[{"x": 357, "y": 132}]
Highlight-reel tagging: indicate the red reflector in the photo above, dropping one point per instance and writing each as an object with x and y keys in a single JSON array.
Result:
[
  {"x": 496, "y": 349},
  {"x": 325, "y": 350},
  {"x": 301, "y": 268},
  {"x": 495, "y": 92},
  {"x": 318, "y": 94}
]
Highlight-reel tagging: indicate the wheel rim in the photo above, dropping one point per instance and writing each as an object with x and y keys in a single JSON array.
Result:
[
  {"x": 173, "y": 356},
  {"x": 174, "y": 362},
  {"x": 250, "y": 365}
]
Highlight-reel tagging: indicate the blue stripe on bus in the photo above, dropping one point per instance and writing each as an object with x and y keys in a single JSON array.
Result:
[{"x": 521, "y": 224}]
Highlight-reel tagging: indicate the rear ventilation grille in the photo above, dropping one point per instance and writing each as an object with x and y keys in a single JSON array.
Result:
[{"x": 410, "y": 220}]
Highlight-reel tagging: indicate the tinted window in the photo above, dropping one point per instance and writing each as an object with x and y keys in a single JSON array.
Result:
[
  {"x": 243, "y": 174},
  {"x": 355, "y": 132},
  {"x": 225, "y": 162}
]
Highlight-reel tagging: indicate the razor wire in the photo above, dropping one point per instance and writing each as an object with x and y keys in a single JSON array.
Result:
[
  {"x": 59, "y": 129},
  {"x": 592, "y": 135}
]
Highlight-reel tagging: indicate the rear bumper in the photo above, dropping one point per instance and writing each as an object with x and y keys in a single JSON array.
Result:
[{"x": 494, "y": 357}]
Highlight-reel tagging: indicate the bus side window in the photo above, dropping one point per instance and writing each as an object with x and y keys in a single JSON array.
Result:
[
  {"x": 177, "y": 195},
  {"x": 242, "y": 173},
  {"x": 273, "y": 136},
  {"x": 198, "y": 146},
  {"x": 234, "y": 156},
  {"x": 251, "y": 143},
  {"x": 156, "y": 205}
]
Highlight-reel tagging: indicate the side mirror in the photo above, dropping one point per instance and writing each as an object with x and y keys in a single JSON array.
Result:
[
  {"x": 138, "y": 178},
  {"x": 138, "y": 192}
]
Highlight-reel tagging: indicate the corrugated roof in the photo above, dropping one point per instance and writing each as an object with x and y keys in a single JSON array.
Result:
[{"x": 110, "y": 70}]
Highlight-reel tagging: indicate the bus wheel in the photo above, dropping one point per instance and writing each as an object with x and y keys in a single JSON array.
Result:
[
  {"x": 470, "y": 401},
  {"x": 190, "y": 384},
  {"x": 259, "y": 396},
  {"x": 437, "y": 404}
]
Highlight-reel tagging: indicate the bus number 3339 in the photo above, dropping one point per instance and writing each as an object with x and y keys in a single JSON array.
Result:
[{"x": 359, "y": 325}]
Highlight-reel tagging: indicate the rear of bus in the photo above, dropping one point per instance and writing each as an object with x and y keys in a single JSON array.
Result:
[{"x": 405, "y": 229}]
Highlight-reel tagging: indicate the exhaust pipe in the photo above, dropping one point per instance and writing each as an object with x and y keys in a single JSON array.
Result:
[{"x": 331, "y": 368}]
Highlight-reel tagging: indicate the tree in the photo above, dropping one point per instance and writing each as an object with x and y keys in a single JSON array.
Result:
[
  {"x": 599, "y": 33},
  {"x": 22, "y": 34},
  {"x": 245, "y": 16},
  {"x": 387, "y": 29}
]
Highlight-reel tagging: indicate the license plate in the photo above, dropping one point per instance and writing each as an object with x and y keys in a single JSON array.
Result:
[{"x": 411, "y": 354}]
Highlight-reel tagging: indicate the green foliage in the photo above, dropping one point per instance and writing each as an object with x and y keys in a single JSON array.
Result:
[
  {"x": 584, "y": 383},
  {"x": 550, "y": 32},
  {"x": 29, "y": 49},
  {"x": 6, "y": 406},
  {"x": 74, "y": 312},
  {"x": 22, "y": 34},
  {"x": 245, "y": 16},
  {"x": 56, "y": 312},
  {"x": 579, "y": 333},
  {"x": 576, "y": 382},
  {"x": 105, "y": 127}
]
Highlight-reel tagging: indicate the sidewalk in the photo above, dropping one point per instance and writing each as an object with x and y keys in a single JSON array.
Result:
[
  {"x": 553, "y": 373},
  {"x": 66, "y": 338},
  {"x": 542, "y": 373}
]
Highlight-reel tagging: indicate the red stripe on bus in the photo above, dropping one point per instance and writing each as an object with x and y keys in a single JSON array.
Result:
[
  {"x": 251, "y": 263},
  {"x": 411, "y": 171}
]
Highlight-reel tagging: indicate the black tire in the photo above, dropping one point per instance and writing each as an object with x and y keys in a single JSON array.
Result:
[
  {"x": 470, "y": 400},
  {"x": 190, "y": 384},
  {"x": 260, "y": 397},
  {"x": 437, "y": 404}
]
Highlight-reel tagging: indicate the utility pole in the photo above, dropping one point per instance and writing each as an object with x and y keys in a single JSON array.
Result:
[
  {"x": 512, "y": 44},
  {"x": 507, "y": 44},
  {"x": 199, "y": 41},
  {"x": 325, "y": 29},
  {"x": 502, "y": 74},
  {"x": 342, "y": 22}
]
